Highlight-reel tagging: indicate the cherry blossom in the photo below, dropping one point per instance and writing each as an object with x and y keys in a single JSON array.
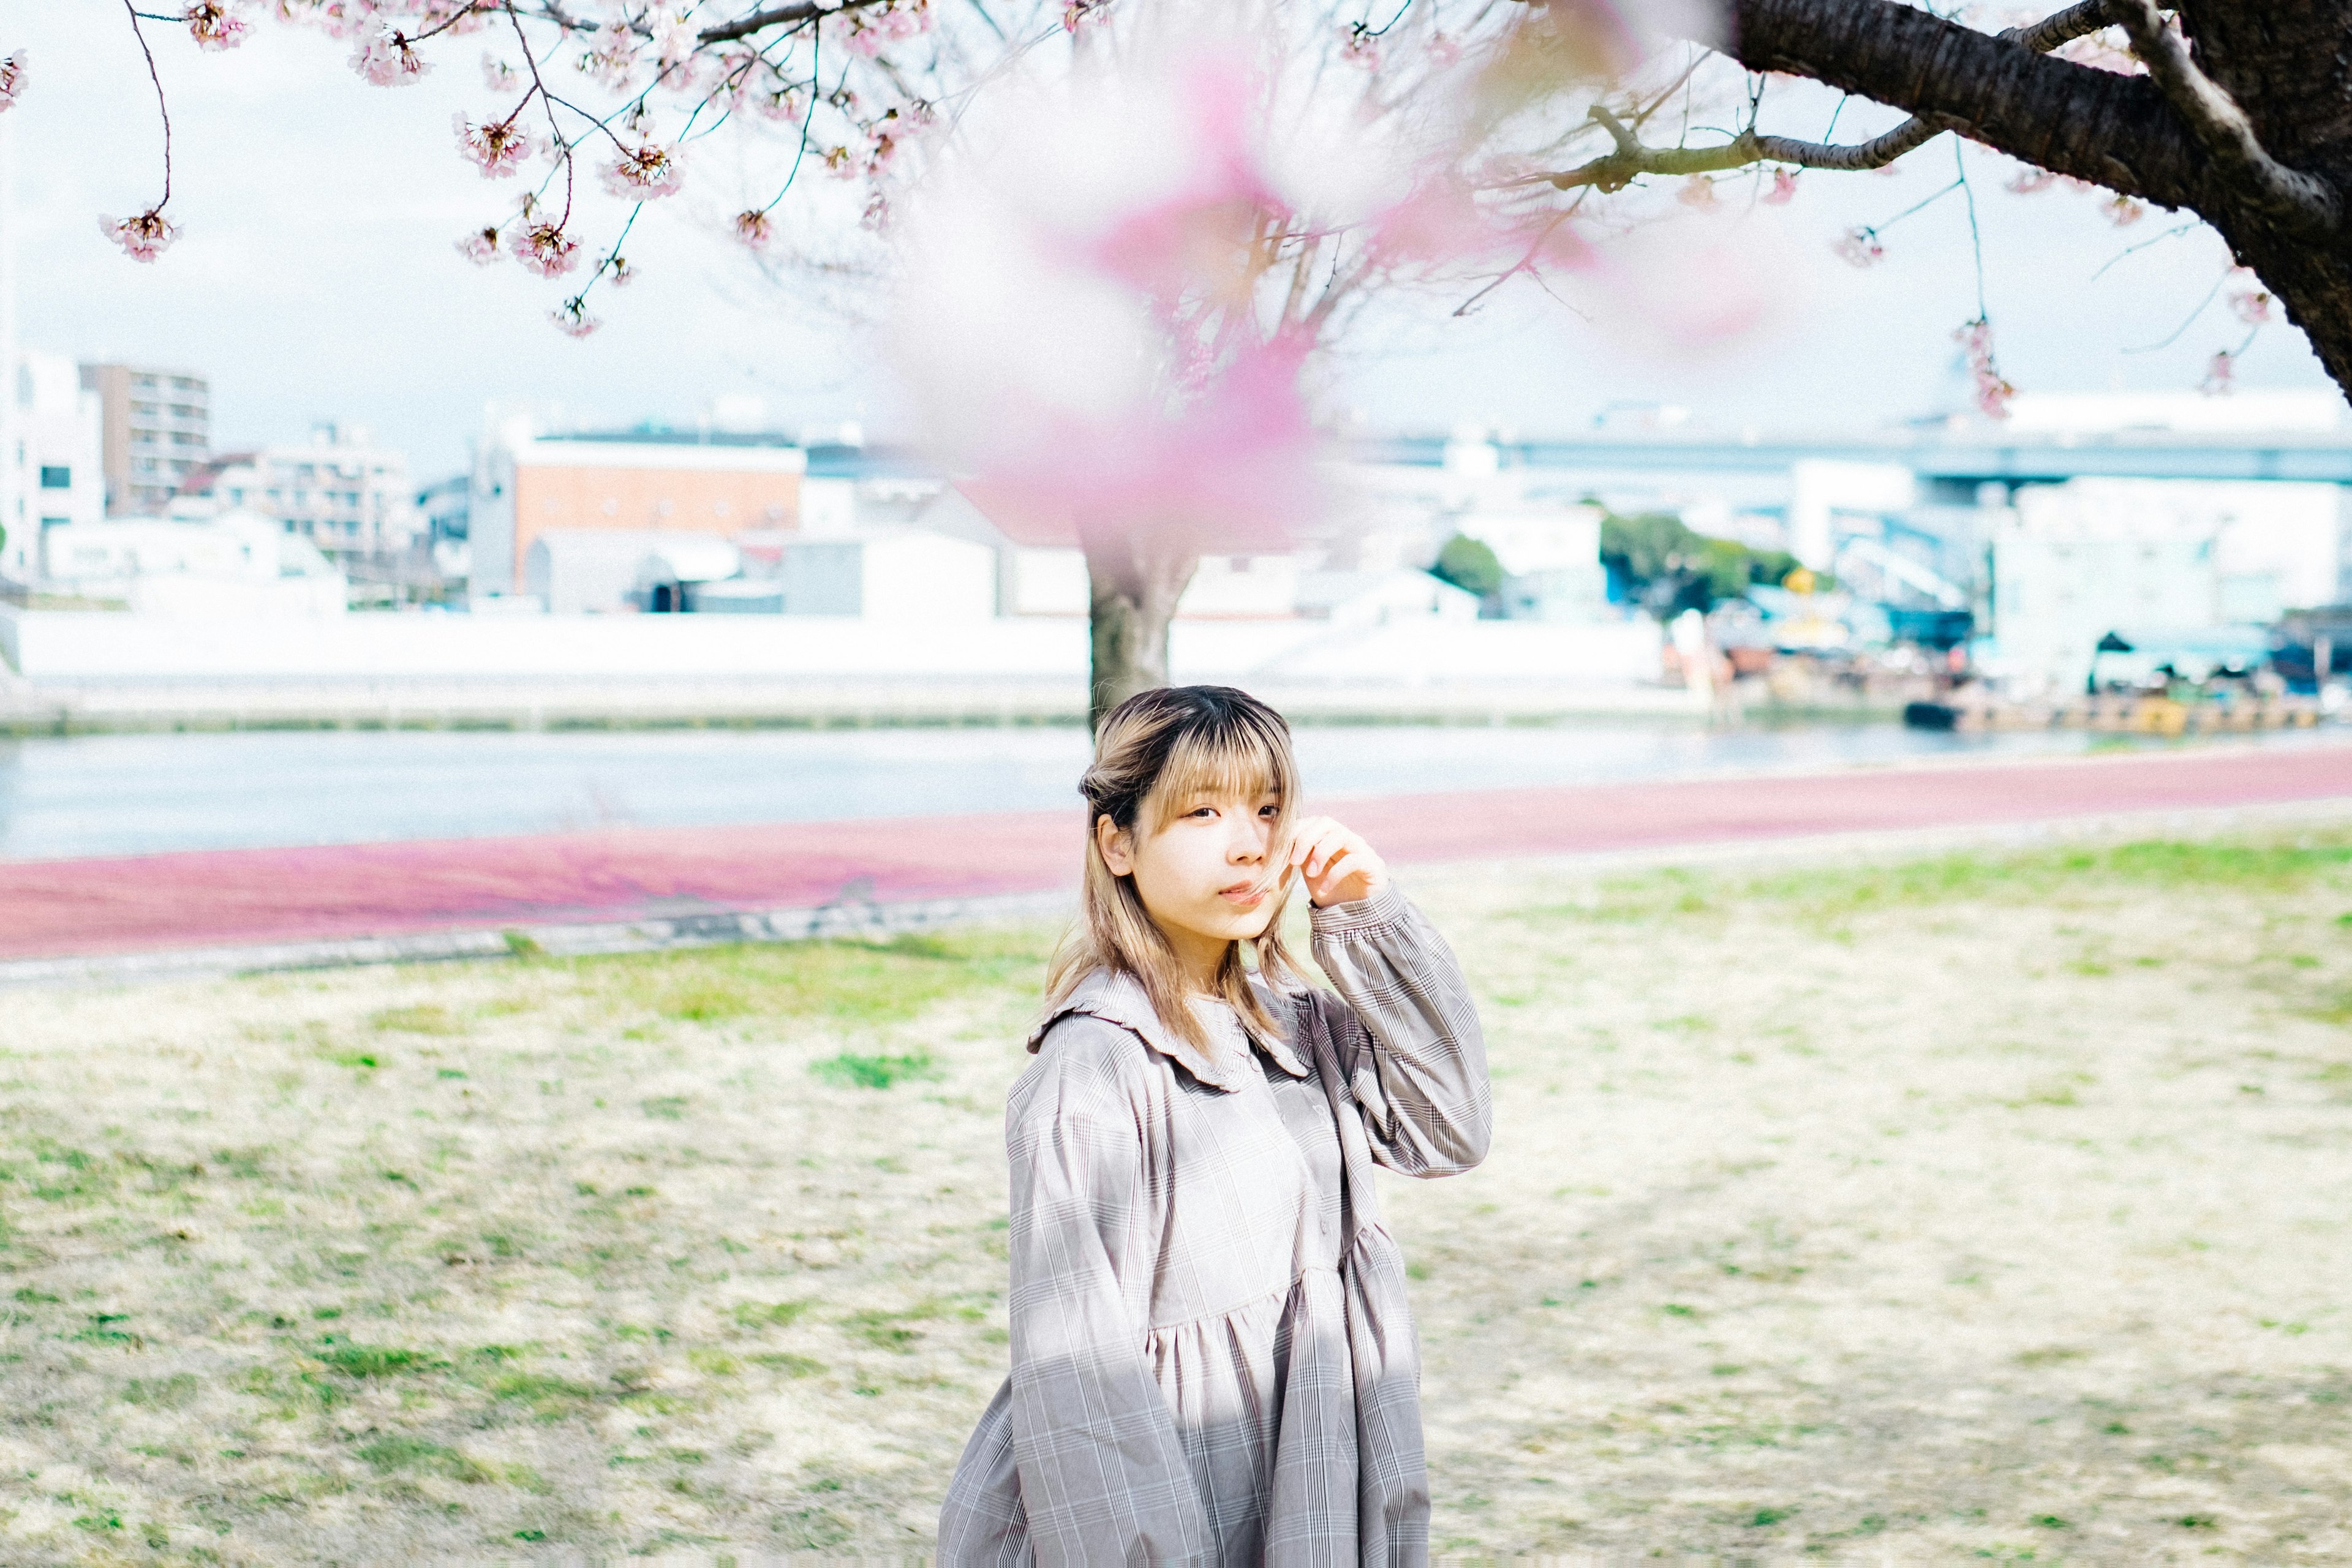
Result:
[
  {"x": 214, "y": 27},
  {"x": 143, "y": 238},
  {"x": 2251, "y": 306},
  {"x": 498, "y": 148},
  {"x": 1860, "y": 247},
  {"x": 1783, "y": 191},
  {"x": 676, "y": 62},
  {"x": 574, "y": 318},
  {"x": 2125, "y": 211},
  {"x": 544, "y": 249},
  {"x": 386, "y": 59},
  {"x": 1697, "y": 193},
  {"x": 612, "y": 58},
  {"x": 755, "y": 228},
  {"x": 11, "y": 80},
  {"x": 499, "y": 76},
  {"x": 623, "y": 271},
  {"x": 1361, "y": 46},
  {"x": 2220, "y": 374},
  {"x": 480, "y": 246},
  {"x": 643, "y": 173},
  {"x": 1994, "y": 392},
  {"x": 2026, "y": 182}
]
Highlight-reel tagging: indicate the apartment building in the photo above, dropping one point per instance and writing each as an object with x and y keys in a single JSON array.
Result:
[
  {"x": 342, "y": 492},
  {"x": 52, "y": 477},
  {"x": 155, "y": 428}
]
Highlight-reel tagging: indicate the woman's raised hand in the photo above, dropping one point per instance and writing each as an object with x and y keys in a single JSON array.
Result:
[{"x": 1335, "y": 864}]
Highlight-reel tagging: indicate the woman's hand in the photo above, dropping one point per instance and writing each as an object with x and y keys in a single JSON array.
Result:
[{"x": 1337, "y": 864}]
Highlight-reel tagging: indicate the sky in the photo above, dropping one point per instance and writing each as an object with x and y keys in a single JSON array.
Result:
[{"x": 317, "y": 279}]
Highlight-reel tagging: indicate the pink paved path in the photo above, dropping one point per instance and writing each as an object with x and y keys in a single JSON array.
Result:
[{"x": 224, "y": 897}]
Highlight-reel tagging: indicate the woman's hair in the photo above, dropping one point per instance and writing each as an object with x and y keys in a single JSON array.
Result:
[{"x": 1153, "y": 750}]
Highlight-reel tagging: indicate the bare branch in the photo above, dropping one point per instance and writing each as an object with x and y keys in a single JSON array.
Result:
[
  {"x": 1631, "y": 160},
  {"x": 2259, "y": 180}
]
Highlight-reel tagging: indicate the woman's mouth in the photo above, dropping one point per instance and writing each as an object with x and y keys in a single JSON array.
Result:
[{"x": 1245, "y": 895}]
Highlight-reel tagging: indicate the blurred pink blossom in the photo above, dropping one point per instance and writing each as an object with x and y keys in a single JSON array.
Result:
[
  {"x": 1361, "y": 46},
  {"x": 1697, "y": 193},
  {"x": 2220, "y": 374},
  {"x": 499, "y": 76},
  {"x": 2026, "y": 182},
  {"x": 2126, "y": 211},
  {"x": 2251, "y": 306},
  {"x": 386, "y": 60},
  {"x": 214, "y": 27},
  {"x": 1229, "y": 471},
  {"x": 143, "y": 238},
  {"x": 1784, "y": 189},
  {"x": 611, "y": 57},
  {"x": 643, "y": 173},
  {"x": 755, "y": 230},
  {"x": 573, "y": 317},
  {"x": 11, "y": 80},
  {"x": 479, "y": 246},
  {"x": 1860, "y": 247},
  {"x": 545, "y": 248},
  {"x": 624, "y": 270},
  {"x": 498, "y": 148},
  {"x": 783, "y": 104},
  {"x": 1993, "y": 393},
  {"x": 677, "y": 64},
  {"x": 461, "y": 17}
]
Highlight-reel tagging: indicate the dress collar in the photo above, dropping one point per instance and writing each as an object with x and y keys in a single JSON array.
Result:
[{"x": 1118, "y": 998}]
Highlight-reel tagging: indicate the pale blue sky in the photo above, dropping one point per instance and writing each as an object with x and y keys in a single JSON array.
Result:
[{"x": 316, "y": 279}]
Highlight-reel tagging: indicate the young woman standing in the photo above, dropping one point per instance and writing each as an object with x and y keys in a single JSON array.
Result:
[{"x": 1212, "y": 1357}]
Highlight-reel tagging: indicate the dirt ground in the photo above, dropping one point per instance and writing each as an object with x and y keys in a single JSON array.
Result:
[{"x": 1974, "y": 1207}]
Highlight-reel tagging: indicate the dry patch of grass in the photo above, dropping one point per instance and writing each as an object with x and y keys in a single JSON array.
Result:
[{"x": 1981, "y": 1207}]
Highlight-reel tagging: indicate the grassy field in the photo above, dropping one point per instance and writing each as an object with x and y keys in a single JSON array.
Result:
[{"x": 1981, "y": 1207}]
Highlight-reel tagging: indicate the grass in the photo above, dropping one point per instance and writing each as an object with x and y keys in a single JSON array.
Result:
[{"x": 1985, "y": 1205}]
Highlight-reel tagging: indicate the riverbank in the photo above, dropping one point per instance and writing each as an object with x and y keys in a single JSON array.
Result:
[{"x": 1982, "y": 1205}]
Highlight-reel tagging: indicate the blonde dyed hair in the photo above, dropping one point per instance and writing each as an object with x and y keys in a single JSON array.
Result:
[{"x": 1152, "y": 750}]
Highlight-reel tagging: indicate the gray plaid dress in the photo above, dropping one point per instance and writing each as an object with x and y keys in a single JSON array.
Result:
[{"x": 1212, "y": 1357}]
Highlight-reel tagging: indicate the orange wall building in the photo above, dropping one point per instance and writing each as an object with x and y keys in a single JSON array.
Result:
[{"x": 722, "y": 484}]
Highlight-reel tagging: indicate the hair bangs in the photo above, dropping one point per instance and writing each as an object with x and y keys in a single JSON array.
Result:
[{"x": 1237, "y": 756}]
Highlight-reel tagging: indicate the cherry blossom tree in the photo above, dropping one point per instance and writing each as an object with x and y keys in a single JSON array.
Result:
[{"x": 1192, "y": 199}]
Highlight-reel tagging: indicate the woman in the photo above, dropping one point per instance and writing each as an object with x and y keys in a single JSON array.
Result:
[{"x": 1213, "y": 1359}]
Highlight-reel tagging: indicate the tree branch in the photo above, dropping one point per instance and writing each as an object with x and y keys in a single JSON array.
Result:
[
  {"x": 2092, "y": 125},
  {"x": 801, "y": 11},
  {"x": 1631, "y": 160},
  {"x": 2261, "y": 180}
]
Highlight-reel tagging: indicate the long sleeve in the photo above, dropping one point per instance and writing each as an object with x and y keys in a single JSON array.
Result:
[
  {"x": 1103, "y": 1473},
  {"x": 1407, "y": 1036}
]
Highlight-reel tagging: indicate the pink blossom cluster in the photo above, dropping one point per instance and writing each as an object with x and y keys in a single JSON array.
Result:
[
  {"x": 545, "y": 248},
  {"x": 1360, "y": 45},
  {"x": 1859, "y": 248},
  {"x": 11, "y": 80},
  {"x": 2251, "y": 306},
  {"x": 214, "y": 27},
  {"x": 755, "y": 228},
  {"x": 2125, "y": 211},
  {"x": 612, "y": 58},
  {"x": 479, "y": 246},
  {"x": 499, "y": 76},
  {"x": 1784, "y": 188},
  {"x": 573, "y": 317},
  {"x": 385, "y": 60},
  {"x": 1993, "y": 393},
  {"x": 498, "y": 149},
  {"x": 2220, "y": 375},
  {"x": 143, "y": 238},
  {"x": 643, "y": 173}
]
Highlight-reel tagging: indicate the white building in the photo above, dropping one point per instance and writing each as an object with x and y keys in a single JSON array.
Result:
[
  {"x": 2076, "y": 561},
  {"x": 238, "y": 564},
  {"x": 57, "y": 472},
  {"x": 342, "y": 492}
]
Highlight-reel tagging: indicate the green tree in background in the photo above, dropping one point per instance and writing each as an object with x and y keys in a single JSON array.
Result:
[
  {"x": 1661, "y": 564},
  {"x": 1470, "y": 565}
]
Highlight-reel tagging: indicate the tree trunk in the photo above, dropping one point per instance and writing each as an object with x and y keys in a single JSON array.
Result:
[
  {"x": 1134, "y": 584},
  {"x": 2287, "y": 63}
]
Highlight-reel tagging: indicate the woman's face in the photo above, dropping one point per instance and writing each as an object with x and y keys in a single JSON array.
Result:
[{"x": 1200, "y": 866}]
